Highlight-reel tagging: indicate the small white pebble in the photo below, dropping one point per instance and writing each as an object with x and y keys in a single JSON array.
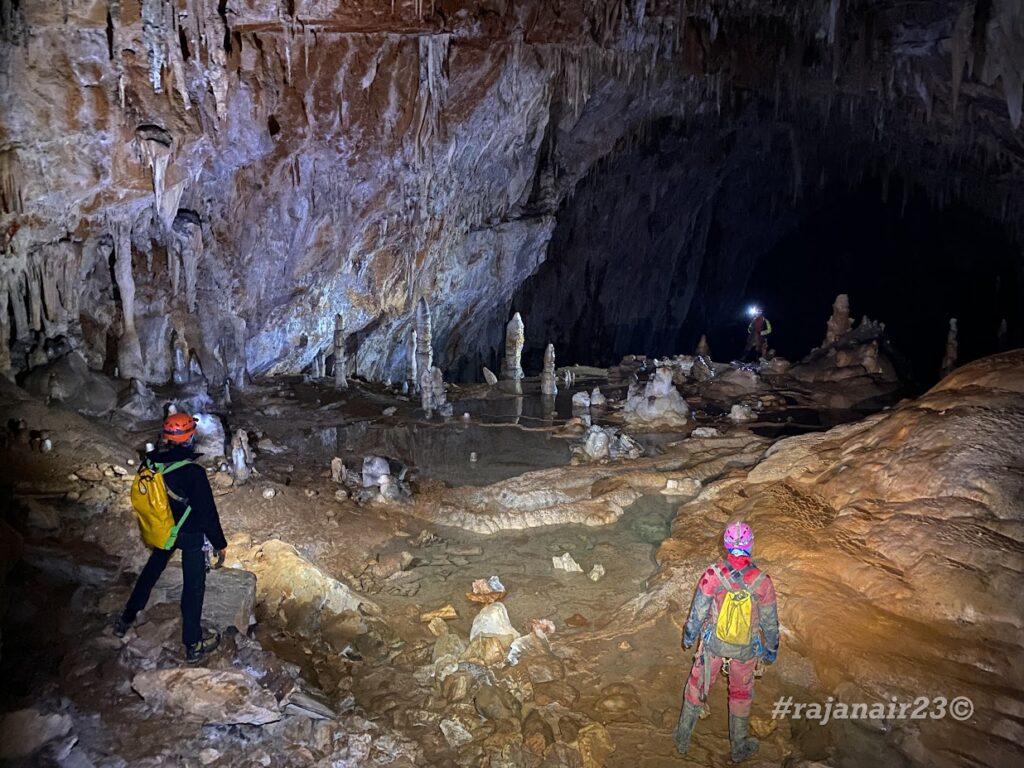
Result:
[{"x": 269, "y": 493}]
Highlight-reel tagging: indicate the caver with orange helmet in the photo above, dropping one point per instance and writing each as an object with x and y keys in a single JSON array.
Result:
[
  {"x": 179, "y": 428},
  {"x": 736, "y": 620},
  {"x": 195, "y": 517}
]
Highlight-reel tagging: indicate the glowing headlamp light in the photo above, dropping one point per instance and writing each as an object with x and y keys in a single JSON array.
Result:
[{"x": 753, "y": 311}]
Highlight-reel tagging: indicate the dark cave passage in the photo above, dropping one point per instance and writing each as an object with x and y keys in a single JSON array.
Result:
[
  {"x": 679, "y": 235},
  {"x": 905, "y": 263}
]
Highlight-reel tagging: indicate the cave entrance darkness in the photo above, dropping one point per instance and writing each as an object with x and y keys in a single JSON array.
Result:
[{"x": 677, "y": 235}]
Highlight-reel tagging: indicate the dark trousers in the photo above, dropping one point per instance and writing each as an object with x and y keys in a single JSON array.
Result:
[{"x": 193, "y": 588}]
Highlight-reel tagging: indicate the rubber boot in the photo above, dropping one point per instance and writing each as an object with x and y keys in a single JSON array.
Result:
[
  {"x": 688, "y": 717},
  {"x": 743, "y": 746}
]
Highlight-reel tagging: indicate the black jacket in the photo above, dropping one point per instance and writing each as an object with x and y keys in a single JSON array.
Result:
[{"x": 191, "y": 484}]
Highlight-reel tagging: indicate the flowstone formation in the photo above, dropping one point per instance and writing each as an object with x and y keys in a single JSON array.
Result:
[
  {"x": 850, "y": 512},
  {"x": 658, "y": 403}
]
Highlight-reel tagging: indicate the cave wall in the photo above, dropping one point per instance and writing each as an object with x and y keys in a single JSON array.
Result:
[{"x": 262, "y": 165}]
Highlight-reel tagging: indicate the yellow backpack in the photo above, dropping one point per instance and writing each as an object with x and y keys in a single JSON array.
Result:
[
  {"x": 151, "y": 500},
  {"x": 735, "y": 618}
]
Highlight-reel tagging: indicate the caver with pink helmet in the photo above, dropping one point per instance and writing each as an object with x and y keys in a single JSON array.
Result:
[
  {"x": 739, "y": 538},
  {"x": 751, "y": 596}
]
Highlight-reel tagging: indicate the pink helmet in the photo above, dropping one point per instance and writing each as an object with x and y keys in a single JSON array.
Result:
[{"x": 738, "y": 536}]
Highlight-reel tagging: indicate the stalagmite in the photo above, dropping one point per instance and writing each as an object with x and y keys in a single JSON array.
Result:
[
  {"x": 432, "y": 394},
  {"x": 512, "y": 369},
  {"x": 703, "y": 348},
  {"x": 340, "y": 363},
  {"x": 319, "y": 365},
  {"x": 548, "y": 384},
  {"x": 195, "y": 368},
  {"x": 241, "y": 456},
  {"x": 952, "y": 351},
  {"x": 179, "y": 351},
  {"x": 839, "y": 323},
  {"x": 129, "y": 351},
  {"x": 424, "y": 333},
  {"x": 489, "y": 376},
  {"x": 411, "y": 377}
]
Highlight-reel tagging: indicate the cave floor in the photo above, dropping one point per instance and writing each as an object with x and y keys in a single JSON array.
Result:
[{"x": 603, "y": 667}]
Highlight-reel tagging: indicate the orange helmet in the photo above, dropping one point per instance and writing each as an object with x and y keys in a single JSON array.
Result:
[{"x": 179, "y": 428}]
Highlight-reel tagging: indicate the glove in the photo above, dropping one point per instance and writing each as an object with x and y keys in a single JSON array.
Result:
[
  {"x": 770, "y": 655},
  {"x": 220, "y": 558},
  {"x": 688, "y": 641}
]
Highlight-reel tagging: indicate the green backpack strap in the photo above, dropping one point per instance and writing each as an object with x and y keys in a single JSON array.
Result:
[
  {"x": 168, "y": 468},
  {"x": 173, "y": 537},
  {"x": 164, "y": 469}
]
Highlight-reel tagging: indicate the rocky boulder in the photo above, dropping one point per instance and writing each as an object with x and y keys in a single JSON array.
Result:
[{"x": 210, "y": 697}]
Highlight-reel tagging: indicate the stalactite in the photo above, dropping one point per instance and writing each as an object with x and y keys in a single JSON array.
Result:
[
  {"x": 340, "y": 361},
  {"x": 11, "y": 182},
  {"x": 153, "y": 35},
  {"x": 129, "y": 351},
  {"x": 156, "y": 148},
  {"x": 423, "y": 338},
  {"x": 34, "y": 277},
  {"x": 432, "y": 94},
  {"x": 173, "y": 48},
  {"x": 217, "y": 76},
  {"x": 188, "y": 244}
]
